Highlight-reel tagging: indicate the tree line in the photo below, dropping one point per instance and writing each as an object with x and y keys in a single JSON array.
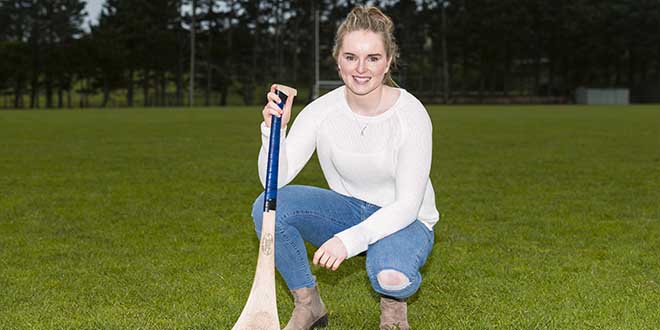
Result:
[{"x": 138, "y": 53}]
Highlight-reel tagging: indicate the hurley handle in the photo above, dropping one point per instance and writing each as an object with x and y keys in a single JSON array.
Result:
[{"x": 274, "y": 151}]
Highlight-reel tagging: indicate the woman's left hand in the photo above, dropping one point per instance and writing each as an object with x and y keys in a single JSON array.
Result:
[{"x": 331, "y": 254}]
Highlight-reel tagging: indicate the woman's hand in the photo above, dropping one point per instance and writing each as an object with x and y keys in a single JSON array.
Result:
[
  {"x": 271, "y": 108},
  {"x": 331, "y": 254}
]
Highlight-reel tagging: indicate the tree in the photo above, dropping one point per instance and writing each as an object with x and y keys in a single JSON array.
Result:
[
  {"x": 495, "y": 48},
  {"x": 63, "y": 19}
]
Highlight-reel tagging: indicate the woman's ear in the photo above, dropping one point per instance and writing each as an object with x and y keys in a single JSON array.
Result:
[{"x": 389, "y": 63}]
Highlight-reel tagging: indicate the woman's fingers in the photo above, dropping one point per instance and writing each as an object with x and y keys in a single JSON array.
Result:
[
  {"x": 273, "y": 88},
  {"x": 274, "y": 109},
  {"x": 271, "y": 109},
  {"x": 271, "y": 96},
  {"x": 336, "y": 264},
  {"x": 321, "y": 256},
  {"x": 271, "y": 112},
  {"x": 331, "y": 254},
  {"x": 317, "y": 256},
  {"x": 325, "y": 259}
]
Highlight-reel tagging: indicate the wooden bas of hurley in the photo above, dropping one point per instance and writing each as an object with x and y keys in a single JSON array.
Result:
[{"x": 260, "y": 311}]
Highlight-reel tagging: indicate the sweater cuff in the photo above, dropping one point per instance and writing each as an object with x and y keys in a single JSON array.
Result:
[
  {"x": 354, "y": 241},
  {"x": 265, "y": 131}
]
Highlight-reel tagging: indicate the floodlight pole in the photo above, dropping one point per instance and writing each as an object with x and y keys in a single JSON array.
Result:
[
  {"x": 192, "y": 55},
  {"x": 445, "y": 65},
  {"x": 315, "y": 94}
]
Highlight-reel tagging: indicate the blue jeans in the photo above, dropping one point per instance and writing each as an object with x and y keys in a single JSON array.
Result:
[{"x": 315, "y": 215}]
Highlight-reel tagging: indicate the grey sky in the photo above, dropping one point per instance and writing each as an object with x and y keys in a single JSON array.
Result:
[{"x": 93, "y": 9}]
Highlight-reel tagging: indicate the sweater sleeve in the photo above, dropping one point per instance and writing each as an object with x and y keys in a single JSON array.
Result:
[
  {"x": 296, "y": 148},
  {"x": 411, "y": 177}
]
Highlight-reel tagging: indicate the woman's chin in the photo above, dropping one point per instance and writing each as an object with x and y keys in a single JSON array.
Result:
[{"x": 361, "y": 89}]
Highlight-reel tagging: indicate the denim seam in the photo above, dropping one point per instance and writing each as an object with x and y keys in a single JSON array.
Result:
[
  {"x": 286, "y": 238},
  {"x": 429, "y": 240},
  {"x": 419, "y": 255}
]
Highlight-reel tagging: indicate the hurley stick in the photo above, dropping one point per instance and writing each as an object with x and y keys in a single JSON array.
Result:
[{"x": 260, "y": 311}]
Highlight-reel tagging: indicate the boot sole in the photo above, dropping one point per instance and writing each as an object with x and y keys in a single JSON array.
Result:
[{"x": 321, "y": 323}]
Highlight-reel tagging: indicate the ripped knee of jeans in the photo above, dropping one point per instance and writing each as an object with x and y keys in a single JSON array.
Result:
[{"x": 392, "y": 280}]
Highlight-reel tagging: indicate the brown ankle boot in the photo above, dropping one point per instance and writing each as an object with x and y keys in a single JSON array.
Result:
[
  {"x": 393, "y": 314},
  {"x": 309, "y": 311}
]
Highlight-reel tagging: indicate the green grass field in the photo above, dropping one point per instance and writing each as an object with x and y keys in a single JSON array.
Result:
[{"x": 140, "y": 219}]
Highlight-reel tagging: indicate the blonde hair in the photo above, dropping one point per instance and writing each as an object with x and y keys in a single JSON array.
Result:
[{"x": 370, "y": 19}]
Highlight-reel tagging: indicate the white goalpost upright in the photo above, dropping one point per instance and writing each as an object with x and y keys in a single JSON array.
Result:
[{"x": 316, "y": 54}]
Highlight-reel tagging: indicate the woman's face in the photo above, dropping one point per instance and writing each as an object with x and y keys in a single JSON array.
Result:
[{"x": 362, "y": 61}]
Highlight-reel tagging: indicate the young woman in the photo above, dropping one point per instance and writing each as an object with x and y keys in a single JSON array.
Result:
[{"x": 373, "y": 141}]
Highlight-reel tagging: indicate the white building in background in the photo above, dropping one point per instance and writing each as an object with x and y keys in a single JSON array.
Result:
[{"x": 602, "y": 95}]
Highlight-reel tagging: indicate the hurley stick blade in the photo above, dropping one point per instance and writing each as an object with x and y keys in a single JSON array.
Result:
[{"x": 260, "y": 311}]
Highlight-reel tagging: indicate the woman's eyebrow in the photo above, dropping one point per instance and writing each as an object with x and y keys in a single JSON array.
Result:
[{"x": 376, "y": 54}]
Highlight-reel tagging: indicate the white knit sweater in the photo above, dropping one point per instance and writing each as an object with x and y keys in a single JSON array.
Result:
[{"x": 388, "y": 165}]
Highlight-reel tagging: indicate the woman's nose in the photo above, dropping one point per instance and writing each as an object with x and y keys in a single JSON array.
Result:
[{"x": 361, "y": 67}]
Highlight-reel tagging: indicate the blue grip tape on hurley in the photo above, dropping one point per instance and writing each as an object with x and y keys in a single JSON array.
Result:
[{"x": 273, "y": 158}]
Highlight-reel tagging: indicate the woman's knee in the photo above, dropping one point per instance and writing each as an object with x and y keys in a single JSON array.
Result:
[
  {"x": 392, "y": 280},
  {"x": 394, "y": 283}
]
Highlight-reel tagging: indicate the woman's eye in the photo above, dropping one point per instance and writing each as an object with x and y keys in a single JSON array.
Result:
[
  {"x": 350, "y": 58},
  {"x": 374, "y": 58}
]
